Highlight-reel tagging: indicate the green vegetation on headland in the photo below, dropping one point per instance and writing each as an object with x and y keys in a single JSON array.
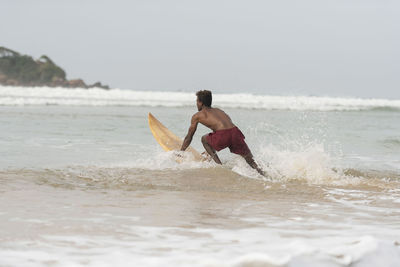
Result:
[{"x": 23, "y": 70}]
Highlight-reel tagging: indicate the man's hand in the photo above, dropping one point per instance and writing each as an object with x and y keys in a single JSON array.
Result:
[{"x": 178, "y": 154}]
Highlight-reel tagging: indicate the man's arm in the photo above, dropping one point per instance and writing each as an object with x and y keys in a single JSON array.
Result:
[{"x": 191, "y": 131}]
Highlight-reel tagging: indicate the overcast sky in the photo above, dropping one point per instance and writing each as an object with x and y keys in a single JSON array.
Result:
[{"x": 300, "y": 47}]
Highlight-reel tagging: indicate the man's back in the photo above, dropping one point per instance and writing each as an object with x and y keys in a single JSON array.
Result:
[{"x": 215, "y": 119}]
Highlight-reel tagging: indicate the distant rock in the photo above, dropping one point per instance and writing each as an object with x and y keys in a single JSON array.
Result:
[
  {"x": 98, "y": 84},
  {"x": 23, "y": 70}
]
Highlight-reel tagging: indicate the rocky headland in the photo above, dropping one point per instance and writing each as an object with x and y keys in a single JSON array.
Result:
[{"x": 22, "y": 70}]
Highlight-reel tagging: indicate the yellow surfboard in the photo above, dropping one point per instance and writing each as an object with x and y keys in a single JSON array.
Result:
[{"x": 167, "y": 139}]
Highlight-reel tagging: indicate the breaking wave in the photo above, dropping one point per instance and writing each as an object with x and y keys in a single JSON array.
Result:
[
  {"x": 22, "y": 96},
  {"x": 312, "y": 167}
]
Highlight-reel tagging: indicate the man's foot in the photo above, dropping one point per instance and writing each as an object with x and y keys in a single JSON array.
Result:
[
  {"x": 250, "y": 160},
  {"x": 206, "y": 156}
]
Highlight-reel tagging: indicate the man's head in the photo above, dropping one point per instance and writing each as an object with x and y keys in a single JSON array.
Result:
[{"x": 204, "y": 98}]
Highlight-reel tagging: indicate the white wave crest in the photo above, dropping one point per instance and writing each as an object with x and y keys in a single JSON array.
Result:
[{"x": 21, "y": 96}]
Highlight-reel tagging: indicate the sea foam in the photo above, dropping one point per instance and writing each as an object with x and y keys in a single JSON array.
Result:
[{"x": 21, "y": 96}]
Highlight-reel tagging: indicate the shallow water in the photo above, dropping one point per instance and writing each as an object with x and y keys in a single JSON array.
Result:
[{"x": 89, "y": 186}]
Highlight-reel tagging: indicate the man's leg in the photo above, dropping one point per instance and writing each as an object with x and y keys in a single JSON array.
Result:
[
  {"x": 211, "y": 151},
  {"x": 250, "y": 160}
]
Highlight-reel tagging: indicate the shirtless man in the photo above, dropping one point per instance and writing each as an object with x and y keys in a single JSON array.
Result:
[{"x": 225, "y": 133}]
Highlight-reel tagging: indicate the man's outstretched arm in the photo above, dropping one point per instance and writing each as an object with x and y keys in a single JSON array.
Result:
[{"x": 191, "y": 131}]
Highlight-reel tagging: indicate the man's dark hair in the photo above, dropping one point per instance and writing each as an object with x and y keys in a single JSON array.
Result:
[{"x": 205, "y": 97}]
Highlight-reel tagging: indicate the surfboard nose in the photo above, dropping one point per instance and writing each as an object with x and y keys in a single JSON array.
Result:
[{"x": 167, "y": 139}]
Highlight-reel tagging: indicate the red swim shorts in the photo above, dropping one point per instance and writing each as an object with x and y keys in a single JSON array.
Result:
[{"x": 232, "y": 138}]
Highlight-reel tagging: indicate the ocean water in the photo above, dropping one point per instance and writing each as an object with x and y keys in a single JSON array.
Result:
[{"x": 84, "y": 183}]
